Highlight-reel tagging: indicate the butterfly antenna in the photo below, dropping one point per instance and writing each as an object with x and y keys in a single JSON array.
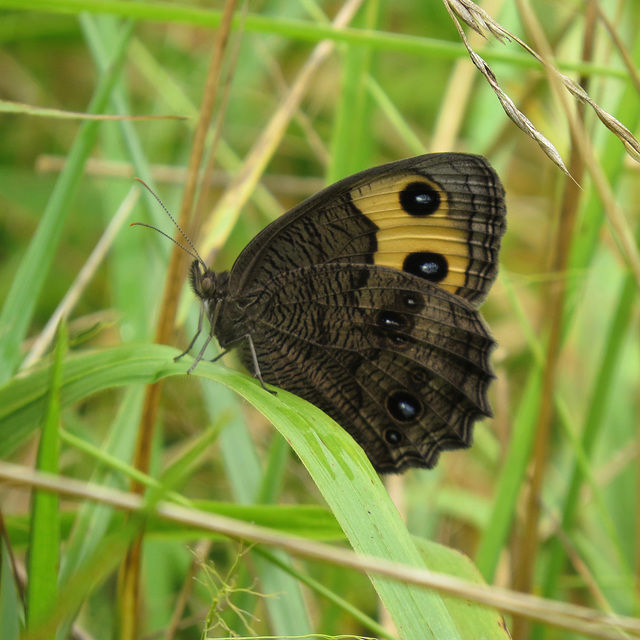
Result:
[{"x": 193, "y": 252}]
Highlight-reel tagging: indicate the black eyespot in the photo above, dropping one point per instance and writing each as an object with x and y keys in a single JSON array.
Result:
[
  {"x": 390, "y": 321},
  {"x": 420, "y": 376},
  {"x": 430, "y": 266},
  {"x": 393, "y": 436},
  {"x": 393, "y": 329},
  {"x": 419, "y": 199},
  {"x": 403, "y": 406}
]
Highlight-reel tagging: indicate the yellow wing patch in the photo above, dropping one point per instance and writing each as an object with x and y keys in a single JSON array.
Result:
[{"x": 403, "y": 234}]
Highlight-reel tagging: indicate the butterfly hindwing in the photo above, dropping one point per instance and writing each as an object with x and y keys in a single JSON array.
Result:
[{"x": 400, "y": 363}]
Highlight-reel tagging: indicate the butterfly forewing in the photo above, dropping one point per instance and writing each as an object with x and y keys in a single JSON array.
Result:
[{"x": 438, "y": 216}]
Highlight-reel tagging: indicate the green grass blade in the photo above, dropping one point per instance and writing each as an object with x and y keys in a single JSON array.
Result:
[
  {"x": 22, "y": 400},
  {"x": 44, "y": 544},
  {"x": 11, "y": 613},
  {"x": 302, "y": 30},
  {"x": 595, "y": 421},
  {"x": 338, "y": 466},
  {"x": 352, "y": 143},
  {"x": 36, "y": 262},
  {"x": 288, "y": 615},
  {"x": 495, "y": 536},
  {"x": 319, "y": 588}
]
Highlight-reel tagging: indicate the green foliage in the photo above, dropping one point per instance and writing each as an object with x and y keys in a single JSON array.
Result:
[{"x": 397, "y": 83}]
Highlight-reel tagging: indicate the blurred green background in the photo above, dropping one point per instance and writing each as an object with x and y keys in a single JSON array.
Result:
[{"x": 564, "y": 309}]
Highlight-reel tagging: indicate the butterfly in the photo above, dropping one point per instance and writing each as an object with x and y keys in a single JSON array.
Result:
[{"x": 363, "y": 300}]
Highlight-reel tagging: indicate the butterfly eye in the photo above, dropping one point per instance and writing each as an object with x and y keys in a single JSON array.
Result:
[
  {"x": 207, "y": 286},
  {"x": 403, "y": 406},
  {"x": 430, "y": 266},
  {"x": 419, "y": 199}
]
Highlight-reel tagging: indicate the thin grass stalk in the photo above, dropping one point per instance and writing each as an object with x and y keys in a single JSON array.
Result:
[
  {"x": 395, "y": 118},
  {"x": 615, "y": 543},
  {"x": 566, "y": 616},
  {"x": 182, "y": 601},
  {"x": 612, "y": 159},
  {"x": 223, "y": 89},
  {"x": 129, "y": 581},
  {"x": 615, "y": 216},
  {"x": 171, "y": 293},
  {"x": 527, "y": 549},
  {"x": 512, "y": 475},
  {"x": 595, "y": 419},
  {"x": 351, "y": 149},
  {"x": 322, "y": 590},
  {"x": 239, "y": 190},
  {"x": 316, "y": 144},
  {"x": 286, "y": 618},
  {"x": 247, "y": 482},
  {"x": 582, "y": 255},
  {"x": 225, "y": 214},
  {"x": 98, "y": 569},
  {"x": 288, "y": 614},
  {"x": 91, "y": 522},
  {"x": 596, "y": 411},
  {"x": 351, "y": 144},
  {"x": 100, "y": 34},
  {"x": 456, "y": 98},
  {"x": 83, "y": 278}
]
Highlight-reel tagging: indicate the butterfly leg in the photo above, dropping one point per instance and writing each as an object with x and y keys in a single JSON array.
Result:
[
  {"x": 200, "y": 354},
  {"x": 204, "y": 346},
  {"x": 256, "y": 366},
  {"x": 222, "y": 353},
  {"x": 193, "y": 341},
  {"x": 254, "y": 358}
]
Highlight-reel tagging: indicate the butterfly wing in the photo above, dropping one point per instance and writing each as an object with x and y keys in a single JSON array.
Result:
[
  {"x": 439, "y": 217},
  {"x": 362, "y": 300},
  {"x": 400, "y": 363}
]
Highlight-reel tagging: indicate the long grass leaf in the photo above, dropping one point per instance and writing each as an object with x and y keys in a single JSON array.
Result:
[
  {"x": 30, "y": 278},
  {"x": 336, "y": 463},
  {"x": 44, "y": 543}
]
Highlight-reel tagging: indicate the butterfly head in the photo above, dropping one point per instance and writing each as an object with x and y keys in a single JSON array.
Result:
[{"x": 208, "y": 285}]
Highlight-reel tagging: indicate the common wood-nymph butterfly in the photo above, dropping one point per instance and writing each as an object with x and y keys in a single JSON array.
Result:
[{"x": 362, "y": 300}]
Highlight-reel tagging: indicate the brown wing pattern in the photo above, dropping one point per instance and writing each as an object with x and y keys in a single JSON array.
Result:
[
  {"x": 400, "y": 363},
  {"x": 439, "y": 217},
  {"x": 362, "y": 300}
]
